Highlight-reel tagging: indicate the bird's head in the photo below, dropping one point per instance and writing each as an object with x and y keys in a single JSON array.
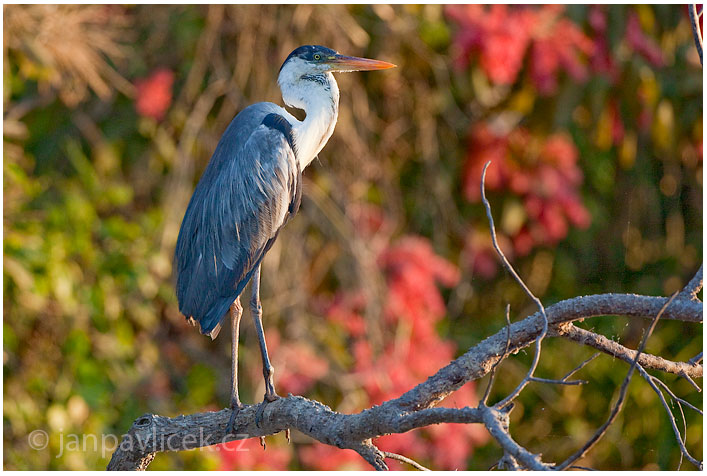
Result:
[
  {"x": 312, "y": 60},
  {"x": 305, "y": 76},
  {"x": 307, "y": 83}
]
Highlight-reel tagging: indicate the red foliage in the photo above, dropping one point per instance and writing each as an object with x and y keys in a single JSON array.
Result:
[
  {"x": 413, "y": 271},
  {"x": 641, "y": 43},
  {"x": 248, "y": 454},
  {"x": 346, "y": 310},
  {"x": 502, "y": 36},
  {"x": 601, "y": 61},
  {"x": 154, "y": 94},
  {"x": 327, "y": 458},
  {"x": 412, "y": 351},
  {"x": 367, "y": 219},
  {"x": 544, "y": 173},
  {"x": 555, "y": 48},
  {"x": 481, "y": 257},
  {"x": 499, "y": 36}
]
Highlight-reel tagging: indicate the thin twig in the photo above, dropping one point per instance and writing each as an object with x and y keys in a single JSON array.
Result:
[
  {"x": 678, "y": 437},
  {"x": 512, "y": 272},
  {"x": 696, "y": 359},
  {"x": 505, "y": 351},
  {"x": 690, "y": 381},
  {"x": 696, "y": 33},
  {"x": 563, "y": 380},
  {"x": 622, "y": 395},
  {"x": 653, "y": 378},
  {"x": 404, "y": 459},
  {"x": 558, "y": 382},
  {"x": 684, "y": 430},
  {"x": 580, "y": 366}
]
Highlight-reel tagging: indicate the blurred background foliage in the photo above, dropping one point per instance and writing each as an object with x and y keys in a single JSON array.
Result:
[{"x": 592, "y": 117}]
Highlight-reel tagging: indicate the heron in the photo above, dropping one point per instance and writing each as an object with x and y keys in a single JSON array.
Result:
[{"x": 251, "y": 187}]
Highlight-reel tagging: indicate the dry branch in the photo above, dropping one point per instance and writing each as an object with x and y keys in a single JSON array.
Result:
[
  {"x": 615, "y": 349},
  {"x": 622, "y": 394},
  {"x": 152, "y": 433}
]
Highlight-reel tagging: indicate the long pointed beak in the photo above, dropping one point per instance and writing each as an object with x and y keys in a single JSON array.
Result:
[{"x": 343, "y": 63}]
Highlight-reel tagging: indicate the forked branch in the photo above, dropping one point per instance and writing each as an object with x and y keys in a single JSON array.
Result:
[{"x": 150, "y": 434}]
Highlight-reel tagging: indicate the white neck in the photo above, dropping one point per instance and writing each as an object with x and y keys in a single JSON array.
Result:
[{"x": 320, "y": 101}]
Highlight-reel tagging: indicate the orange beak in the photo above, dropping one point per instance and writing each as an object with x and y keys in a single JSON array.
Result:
[{"x": 341, "y": 63}]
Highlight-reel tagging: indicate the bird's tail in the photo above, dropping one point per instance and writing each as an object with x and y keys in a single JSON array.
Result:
[{"x": 210, "y": 324}]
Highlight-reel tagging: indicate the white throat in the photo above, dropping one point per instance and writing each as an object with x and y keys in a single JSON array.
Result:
[{"x": 318, "y": 96}]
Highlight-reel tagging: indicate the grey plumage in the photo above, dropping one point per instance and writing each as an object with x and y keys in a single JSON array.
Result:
[{"x": 249, "y": 190}]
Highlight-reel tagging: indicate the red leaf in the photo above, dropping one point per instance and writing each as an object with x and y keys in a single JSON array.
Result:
[{"x": 154, "y": 94}]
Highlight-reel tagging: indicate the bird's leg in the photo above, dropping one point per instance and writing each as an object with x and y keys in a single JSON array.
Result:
[
  {"x": 257, "y": 310},
  {"x": 236, "y": 405}
]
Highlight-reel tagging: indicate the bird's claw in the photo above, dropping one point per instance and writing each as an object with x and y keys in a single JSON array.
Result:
[
  {"x": 235, "y": 409},
  {"x": 269, "y": 398}
]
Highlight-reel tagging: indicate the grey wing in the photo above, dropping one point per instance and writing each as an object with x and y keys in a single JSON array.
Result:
[{"x": 234, "y": 216}]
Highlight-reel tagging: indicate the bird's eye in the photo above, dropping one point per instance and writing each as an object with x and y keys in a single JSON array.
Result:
[{"x": 317, "y": 56}]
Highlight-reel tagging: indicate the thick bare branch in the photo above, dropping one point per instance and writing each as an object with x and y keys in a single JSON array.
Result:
[
  {"x": 479, "y": 360},
  {"x": 496, "y": 421},
  {"x": 485, "y": 398},
  {"x": 152, "y": 433},
  {"x": 615, "y": 349}
]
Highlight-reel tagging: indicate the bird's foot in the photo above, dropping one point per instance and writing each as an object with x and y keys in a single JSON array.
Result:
[
  {"x": 235, "y": 409},
  {"x": 269, "y": 398}
]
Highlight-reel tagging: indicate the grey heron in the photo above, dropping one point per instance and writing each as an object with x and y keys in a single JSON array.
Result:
[{"x": 250, "y": 189}]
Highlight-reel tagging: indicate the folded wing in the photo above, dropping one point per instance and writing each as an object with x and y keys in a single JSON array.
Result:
[{"x": 249, "y": 190}]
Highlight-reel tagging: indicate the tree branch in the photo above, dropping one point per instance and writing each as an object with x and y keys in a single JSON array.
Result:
[
  {"x": 694, "y": 286},
  {"x": 608, "y": 346},
  {"x": 152, "y": 433},
  {"x": 533, "y": 297},
  {"x": 622, "y": 395},
  {"x": 651, "y": 381},
  {"x": 479, "y": 360},
  {"x": 496, "y": 421},
  {"x": 485, "y": 398},
  {"x": 404, "y": 459}
]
